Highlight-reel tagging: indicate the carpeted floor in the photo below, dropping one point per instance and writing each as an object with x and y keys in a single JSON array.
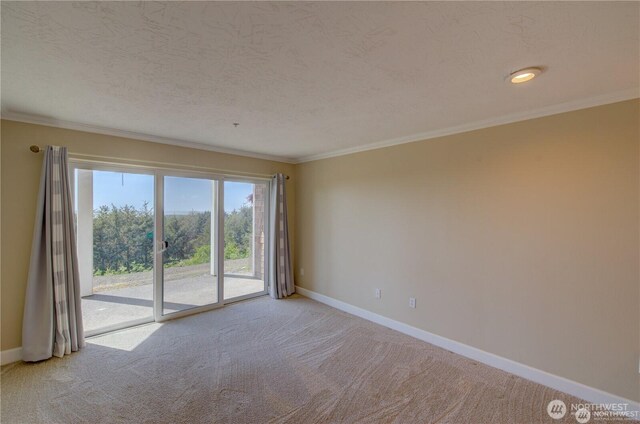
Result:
[{"x": 258, "y": 361}]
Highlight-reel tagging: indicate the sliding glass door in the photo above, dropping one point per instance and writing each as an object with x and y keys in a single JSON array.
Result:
[
  {"x": 245, "y": 236},
  {"x": 188, "y": 250},
  {"x": 114, "y": 211},
  {"x": 154, "y": 245}
]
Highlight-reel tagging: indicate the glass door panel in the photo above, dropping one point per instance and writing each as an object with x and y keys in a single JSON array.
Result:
[
  {"x": 245, "y": 235},
  {"x": 148, "y": 243},
  {"x": 189, "y": 266},
  {"x": 114, "y": 226}
]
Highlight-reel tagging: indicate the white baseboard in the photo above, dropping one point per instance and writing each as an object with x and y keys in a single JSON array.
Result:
[
  {"x": 562, "y": 384},
  {"x": 10, "y": 355},
  {"x": 579, "y": 390}
]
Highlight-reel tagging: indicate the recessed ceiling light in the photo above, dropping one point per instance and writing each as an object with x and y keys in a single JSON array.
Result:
[{"x": 524, "y": 75}]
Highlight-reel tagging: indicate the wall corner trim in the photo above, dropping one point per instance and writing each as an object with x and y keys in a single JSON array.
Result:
[
  {"x": 582, "y": 391},
  {"x": 600, "y": 100},
  {"x": 10, "y": 355},
  {"x": 114, "y": 132}
]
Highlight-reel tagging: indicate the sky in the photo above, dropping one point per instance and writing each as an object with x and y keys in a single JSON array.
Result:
[{"x": 182, "y": 195}]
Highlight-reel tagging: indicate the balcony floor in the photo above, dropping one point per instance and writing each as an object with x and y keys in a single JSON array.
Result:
[{"x": 127, "y": 303}]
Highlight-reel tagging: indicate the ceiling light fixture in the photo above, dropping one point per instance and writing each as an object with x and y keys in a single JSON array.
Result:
[{"x": 524, "y": 75}]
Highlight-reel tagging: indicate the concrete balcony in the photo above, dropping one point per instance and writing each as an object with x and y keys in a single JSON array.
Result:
[{"x": 118, "y": 299}]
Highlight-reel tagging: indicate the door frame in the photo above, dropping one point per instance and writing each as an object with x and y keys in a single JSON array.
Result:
[
  {"x": 267, "y": 233},
  {"x": 158, "y": 263},
  {"x": 75, "y": 164},
  {"x": 159, "y": 173}
]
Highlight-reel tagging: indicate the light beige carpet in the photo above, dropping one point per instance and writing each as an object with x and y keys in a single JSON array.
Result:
[{"x": 285, "y": 361}]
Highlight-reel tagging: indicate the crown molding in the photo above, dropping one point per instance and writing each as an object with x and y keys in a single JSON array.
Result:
[
  {"x": 600, "y": 100},
  {"x": 69, "y": 125},
  {"x": 614, "y": 97}
]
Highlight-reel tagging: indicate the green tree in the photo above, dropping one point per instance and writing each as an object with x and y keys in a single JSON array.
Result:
[
  {"x": 238, "y": 226},
  {"x": 120, "y": 239},
  {"x": 123, "y": 238}
]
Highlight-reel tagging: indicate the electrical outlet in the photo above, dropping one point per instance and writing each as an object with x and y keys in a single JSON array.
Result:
[
  {"x": 412, "y": 302},
  {"x": 301, "y": 272},
  {"x": 378, "y": 293}
]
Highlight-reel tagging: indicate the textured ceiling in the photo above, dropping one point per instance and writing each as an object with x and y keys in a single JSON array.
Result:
[{"x": 306, "y": 78}]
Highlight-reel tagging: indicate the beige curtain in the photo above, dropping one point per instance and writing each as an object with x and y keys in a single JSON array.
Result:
[
  {"x": 52, "y": 324},
  {"x": 281, "y": 274}
]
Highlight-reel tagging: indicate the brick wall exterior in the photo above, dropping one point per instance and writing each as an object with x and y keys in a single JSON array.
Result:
[{"x": 259, "y": 195}]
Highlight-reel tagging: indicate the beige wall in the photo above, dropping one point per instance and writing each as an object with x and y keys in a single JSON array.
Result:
[
  {"x": 20, "y": 174},
  {"x": 521, "y": 239}
]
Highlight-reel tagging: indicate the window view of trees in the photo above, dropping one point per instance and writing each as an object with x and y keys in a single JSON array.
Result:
[{"x": 123, "y": 238}]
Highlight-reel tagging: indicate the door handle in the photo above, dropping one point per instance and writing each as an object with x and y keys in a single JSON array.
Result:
[{"x": 164, "y": 245}]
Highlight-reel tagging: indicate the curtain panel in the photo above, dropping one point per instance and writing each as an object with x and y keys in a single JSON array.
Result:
[
  {"x": 281, "y": 274},
  {"x": 52, "y": 324}
]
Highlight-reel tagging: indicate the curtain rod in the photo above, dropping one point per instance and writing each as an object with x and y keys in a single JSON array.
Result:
[{"x": 37, "y": 149}]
